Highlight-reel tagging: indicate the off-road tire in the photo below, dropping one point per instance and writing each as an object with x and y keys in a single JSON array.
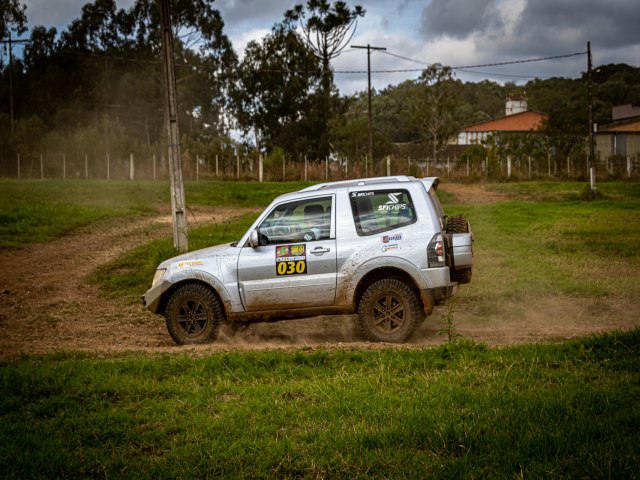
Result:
[
  {"x": 193, "y": 314},
  {"x": 389, "y": 311},
  {"x": 459, "y": 224}
]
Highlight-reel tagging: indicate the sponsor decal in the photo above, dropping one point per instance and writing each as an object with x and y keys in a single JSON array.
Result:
[
  {"x": 392, "y": 237},
  {"x": 291, "y": 259},
  {"x": 190, "y": 263},
  {"x": 393, "y": 205},
  {"x": 361, "y": 194},
  {"x": 390, "y": 247}
]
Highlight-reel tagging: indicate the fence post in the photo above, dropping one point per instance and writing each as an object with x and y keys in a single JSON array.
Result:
[
  {"x": 64, "y": 166},
  {"x": 326, "y": 168},
  {"x": 18, "y": 166},
  {"x": 306, "y": 166},
  {"x": 154, "y": 166},
  {"x": 388, "y": 165},
  {"x": 131, "y": 167},
  {"x": 41, "y": 168},
  {"x": 108, "y": 167},
  {"x": 197, "y": 168},
  {"x": 508, "y": 165},
  {"x": 260, "y": 168},
  {"x": 629, "y": 166},
  {"x": 86, "y": 167}
]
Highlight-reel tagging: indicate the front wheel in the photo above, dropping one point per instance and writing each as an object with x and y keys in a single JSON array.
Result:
[
  {"x": 389, "y": 311},
  {"x": 193, "y": 314}
]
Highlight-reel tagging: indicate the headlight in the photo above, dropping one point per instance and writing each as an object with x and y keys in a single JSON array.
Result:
[{"x": 158, "y": 276}]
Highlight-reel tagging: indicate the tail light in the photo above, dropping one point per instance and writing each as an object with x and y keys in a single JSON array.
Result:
[{"x": 436, "y": 251}]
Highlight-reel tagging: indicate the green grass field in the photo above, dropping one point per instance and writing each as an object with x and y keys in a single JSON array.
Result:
[
  {"x": 457, "y": 411},
  {"x": 460, "y": 410}
]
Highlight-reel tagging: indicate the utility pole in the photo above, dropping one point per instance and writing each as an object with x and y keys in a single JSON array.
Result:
[
  {"x": 11, "y": 42},
  {"x": 178, "y": 204},
  {"x": 369, "y": 48},
  {"x": 592, "y": 170}
]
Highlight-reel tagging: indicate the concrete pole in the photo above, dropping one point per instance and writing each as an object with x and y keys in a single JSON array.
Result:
[{"x": 178, "y": 203}]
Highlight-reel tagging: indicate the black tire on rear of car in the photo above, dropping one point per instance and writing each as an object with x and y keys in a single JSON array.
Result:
[
  {"x": 389, "y": 311},
  {"x": 193, "y": 314},
  {"x": 459, "y": 224}
]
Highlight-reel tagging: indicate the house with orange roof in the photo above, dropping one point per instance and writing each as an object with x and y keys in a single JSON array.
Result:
[{"x": 518, "y": 119}]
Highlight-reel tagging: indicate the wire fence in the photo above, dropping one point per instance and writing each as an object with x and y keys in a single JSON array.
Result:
[{"x": 281, "y": 169}]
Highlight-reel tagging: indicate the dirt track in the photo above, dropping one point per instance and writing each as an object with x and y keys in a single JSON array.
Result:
[{"x": 47, "y": 304}]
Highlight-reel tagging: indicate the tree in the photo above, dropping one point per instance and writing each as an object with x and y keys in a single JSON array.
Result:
[
  {"x": 327, "y": 29},
  {"x": 12, "y": 18},
  {"x": 434, "y": 106},
  {"x": 274, "y": 95}
]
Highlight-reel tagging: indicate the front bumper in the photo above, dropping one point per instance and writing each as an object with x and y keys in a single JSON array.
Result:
[{"x": 152, "y": 299}]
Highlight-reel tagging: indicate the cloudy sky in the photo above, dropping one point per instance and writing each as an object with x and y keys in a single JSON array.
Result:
[{"x": 458, "y": 33}]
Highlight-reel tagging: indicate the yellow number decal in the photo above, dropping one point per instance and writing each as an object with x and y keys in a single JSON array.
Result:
[{"x": 291, "y": 267}]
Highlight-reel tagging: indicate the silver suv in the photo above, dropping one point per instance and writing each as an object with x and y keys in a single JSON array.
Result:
[{"x": 379, "y": 247}]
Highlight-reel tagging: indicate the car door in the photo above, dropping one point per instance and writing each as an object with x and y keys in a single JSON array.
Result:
[{"x": 294, "y": 266}]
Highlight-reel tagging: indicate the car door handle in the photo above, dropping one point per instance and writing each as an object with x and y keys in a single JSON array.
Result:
[{"x": 320, "y": 250}]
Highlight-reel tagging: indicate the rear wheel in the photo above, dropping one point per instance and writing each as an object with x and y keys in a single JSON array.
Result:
[
  {"x": 389, "y": 311},
  {"x": 193, "y": 314}
]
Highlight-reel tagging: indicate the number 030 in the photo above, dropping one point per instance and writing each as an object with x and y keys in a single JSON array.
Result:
[{"x": 291, "y": 267}]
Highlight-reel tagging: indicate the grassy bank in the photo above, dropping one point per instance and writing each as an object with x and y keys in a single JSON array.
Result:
[
  {"x": 457, "y": 411},
  {"x": 33, "y": 211}
]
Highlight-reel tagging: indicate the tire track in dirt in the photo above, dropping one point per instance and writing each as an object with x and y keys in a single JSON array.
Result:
[{"x": 47, "y": 303}]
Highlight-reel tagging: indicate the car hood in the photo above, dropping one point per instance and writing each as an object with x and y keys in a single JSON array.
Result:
[{"x": 199, "y": 257}]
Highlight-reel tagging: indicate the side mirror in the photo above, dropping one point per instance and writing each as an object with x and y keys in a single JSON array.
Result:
[{"x": 254, "y": 239}]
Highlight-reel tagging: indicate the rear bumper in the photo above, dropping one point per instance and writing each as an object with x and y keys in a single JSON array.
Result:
[{"x": 440, "y": 287}]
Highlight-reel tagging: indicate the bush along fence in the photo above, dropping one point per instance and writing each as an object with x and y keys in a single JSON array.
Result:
[{"x": 280, "y": 168}]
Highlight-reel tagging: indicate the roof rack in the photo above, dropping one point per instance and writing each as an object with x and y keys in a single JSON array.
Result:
[{"x": 360, "y": 182}]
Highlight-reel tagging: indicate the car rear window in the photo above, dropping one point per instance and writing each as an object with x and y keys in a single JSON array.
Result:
[{"x": 377, "y": 211}]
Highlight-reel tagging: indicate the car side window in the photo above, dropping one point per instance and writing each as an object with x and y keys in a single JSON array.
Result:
[
  {"x": 298, "y": 221},
  {"x": 377, "y": 211}
]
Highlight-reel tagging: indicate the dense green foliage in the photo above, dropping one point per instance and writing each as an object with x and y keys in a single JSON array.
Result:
[
  {"x": 457, "y": 411},
  {"x": 93, "y": 90}
]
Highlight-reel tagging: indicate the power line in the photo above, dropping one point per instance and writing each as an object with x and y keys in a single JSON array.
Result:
[
  {"x": 463, "y": 67},
  {"x": 513, "y": 62}
]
